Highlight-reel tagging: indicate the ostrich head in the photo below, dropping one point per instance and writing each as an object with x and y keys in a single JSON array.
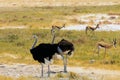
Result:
[
  {"x": 66, "y": 46},
  {"x": 35, "y": 37}
]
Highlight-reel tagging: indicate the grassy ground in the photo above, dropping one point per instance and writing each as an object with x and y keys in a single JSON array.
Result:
[
  {"x": 48, "y": 16},
  {"x": 16, "y": 44}
]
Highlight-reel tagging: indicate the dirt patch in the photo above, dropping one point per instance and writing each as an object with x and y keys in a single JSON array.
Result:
[{"x": 17, "y": 70}]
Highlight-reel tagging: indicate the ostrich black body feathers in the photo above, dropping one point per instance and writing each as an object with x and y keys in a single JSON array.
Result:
[
  {"x": 66, "y": 46},
  {"x": 43, "y": 51}
]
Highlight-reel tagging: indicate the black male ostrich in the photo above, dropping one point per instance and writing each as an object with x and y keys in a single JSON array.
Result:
[{"x": 46, "y": 51}]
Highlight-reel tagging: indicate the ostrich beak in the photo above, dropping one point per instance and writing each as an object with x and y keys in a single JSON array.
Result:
[{"x": 71, "y": 54}]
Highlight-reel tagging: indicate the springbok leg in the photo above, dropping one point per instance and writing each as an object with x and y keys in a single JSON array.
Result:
[
  {"x": 105, "y": 53},
  {"x": 98, "y": 51}
]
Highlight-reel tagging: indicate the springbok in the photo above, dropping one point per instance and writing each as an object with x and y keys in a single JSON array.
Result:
[
  {"x": 54, "y": 29},
  {"x": 105, "y": 45},
  {"x": 91, "y": 28}
]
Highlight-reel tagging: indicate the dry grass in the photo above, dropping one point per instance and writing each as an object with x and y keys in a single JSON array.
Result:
[
  {"x": 33, "y": 3},
  {"x": 16, "y": 47},
  {"x": 5, "y": 78},
  {"x": 44, "y": 17}
]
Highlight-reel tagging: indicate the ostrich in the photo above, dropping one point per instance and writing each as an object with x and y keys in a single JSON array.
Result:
[
  {"x": 91, "y": 28},
  {"x": 45, "y": 51},
  {"x": 106, "y": 45}
]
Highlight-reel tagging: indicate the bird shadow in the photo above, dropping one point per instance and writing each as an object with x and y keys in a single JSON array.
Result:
[
  {"x": 51, "y": 74},
  {"x": 55, "y": 72}
]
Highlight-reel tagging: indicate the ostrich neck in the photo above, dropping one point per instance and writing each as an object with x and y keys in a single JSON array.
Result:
[
  {"x": 59, "y": 50},
  {"x": 53, "y": 39},
  {"x": 34, "y": 43}
]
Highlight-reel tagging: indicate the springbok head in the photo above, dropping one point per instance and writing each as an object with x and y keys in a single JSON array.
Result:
[{"x": 114, "y": 42}]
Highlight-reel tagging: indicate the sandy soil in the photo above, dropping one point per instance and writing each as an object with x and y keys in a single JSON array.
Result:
[{"x": 17, "y": 70}]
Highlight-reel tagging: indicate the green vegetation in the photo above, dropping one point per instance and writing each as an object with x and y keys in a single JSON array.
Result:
[
  {"x": 17, "y": 42},
  {"x": 45, "y": 16}
]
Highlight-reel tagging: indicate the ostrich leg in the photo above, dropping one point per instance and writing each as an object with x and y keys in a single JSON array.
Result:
[
  {"x": 42, "y": 70},
  {"x": 48, "y": 70},
  {"x": 65, "y": 64},
  {"x": 64, "y": 60}
]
